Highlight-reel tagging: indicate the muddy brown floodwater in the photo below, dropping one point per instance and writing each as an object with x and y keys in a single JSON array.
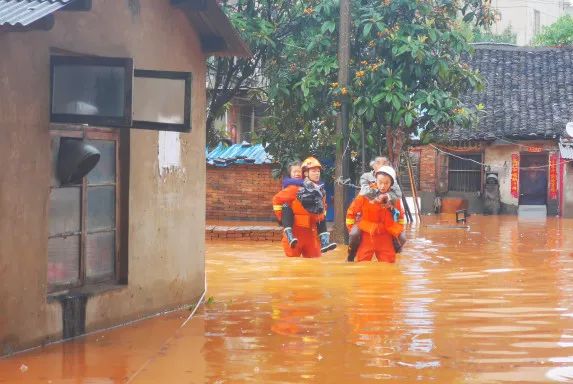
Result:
[{"x": 488, "y": 304}]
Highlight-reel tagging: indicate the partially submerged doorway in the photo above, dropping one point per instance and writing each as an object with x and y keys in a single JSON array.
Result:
[{"x": 533, "y": 179}]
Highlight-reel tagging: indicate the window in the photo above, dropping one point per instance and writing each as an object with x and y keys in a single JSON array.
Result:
[
  {"x": 465, "y": 175},
  {"x": 83, "y": 243},
  {"x": 404, "y": 176},
  {"x": 91, "y": 90},
  {"x": 536, "y": 22},
  {"x": 162, "y": 100}
]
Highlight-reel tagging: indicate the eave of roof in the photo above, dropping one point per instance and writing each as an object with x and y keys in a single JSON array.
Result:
[{"x": 218, "y": 36}]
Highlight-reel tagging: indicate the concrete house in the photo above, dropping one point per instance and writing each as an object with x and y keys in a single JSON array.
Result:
[
  {"x": 528, "y": 102},
  {"x": 528, "y": 17},
  {"x": 122, "y": 81}
]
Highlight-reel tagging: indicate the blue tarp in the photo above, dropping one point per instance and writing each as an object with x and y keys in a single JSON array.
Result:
[{"x": 243, "y": 153}]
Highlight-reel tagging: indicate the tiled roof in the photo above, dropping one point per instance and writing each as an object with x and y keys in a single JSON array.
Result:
[
  {"x": 244, "y": 153},
  {"x": 25, "y": 12},
  {"x": 528, "y": 92}
]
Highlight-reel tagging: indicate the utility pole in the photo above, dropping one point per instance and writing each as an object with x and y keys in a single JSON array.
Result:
[
  {"x": 343, "y": 150},
  {"x": 363, "y": 147}
]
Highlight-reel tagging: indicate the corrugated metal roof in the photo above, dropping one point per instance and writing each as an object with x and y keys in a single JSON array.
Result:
[
  {"x": 566, "y": 148},
  {"x": 243, "y": 153},
  {"x": 25, "y": 12}
]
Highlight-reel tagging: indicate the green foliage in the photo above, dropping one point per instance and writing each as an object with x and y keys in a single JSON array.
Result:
[
  {"x": 264, "y": 26},
  {"x": 486, "y": 35},
  {"x": 558, "y": 34},
  {"x": 407, "y": 73}
]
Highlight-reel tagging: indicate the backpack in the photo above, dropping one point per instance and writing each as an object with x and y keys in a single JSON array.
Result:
[{"x": 311, "y": 198}]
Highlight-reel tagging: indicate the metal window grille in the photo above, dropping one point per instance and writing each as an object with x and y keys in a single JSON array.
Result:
[{"x": 465, "y": 175}]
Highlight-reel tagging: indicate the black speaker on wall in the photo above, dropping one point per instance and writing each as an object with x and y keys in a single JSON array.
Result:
[{"x": 76, "y": 159}]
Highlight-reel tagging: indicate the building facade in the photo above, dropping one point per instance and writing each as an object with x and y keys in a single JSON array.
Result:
[
  {"x": 528, "y": 101},
  {"x": 527, "y": 17},
  {"x": 127, "y": 80}
]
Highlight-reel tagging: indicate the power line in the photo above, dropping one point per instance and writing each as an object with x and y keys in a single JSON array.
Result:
[{"x": 492, "y": 167}]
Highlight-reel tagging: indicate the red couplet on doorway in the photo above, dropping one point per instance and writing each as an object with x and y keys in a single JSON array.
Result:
[
  {"x": 553, "y": 176},
  {"x": 515, "y": 175}
]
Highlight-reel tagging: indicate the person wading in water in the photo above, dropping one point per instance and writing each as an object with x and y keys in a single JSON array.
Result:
[
  {"x": 301, "y": 210},
  {"x": 378, "y": 224}
]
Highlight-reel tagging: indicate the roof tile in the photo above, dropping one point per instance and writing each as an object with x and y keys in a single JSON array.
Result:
[{"x": 528, "y": 92}]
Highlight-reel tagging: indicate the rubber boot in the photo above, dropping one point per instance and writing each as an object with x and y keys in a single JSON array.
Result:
[
  {"x": 325, "y": 244},
  {"x": 292, "y": 241},
  {"x": 354, "y": 238}
]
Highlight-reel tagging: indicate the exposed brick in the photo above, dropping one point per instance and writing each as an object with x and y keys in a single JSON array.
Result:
[
  {"x": 428, "y": 168},
  {"x": 265, "y": 233},
  {"x": 241, "y": 192}
]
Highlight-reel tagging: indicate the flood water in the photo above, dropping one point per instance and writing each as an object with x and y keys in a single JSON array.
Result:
[{"x": 489, "y": 304}]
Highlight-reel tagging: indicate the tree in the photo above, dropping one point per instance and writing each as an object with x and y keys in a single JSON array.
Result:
[
  {"x": 263, "y": 25},
  {"x": 486, "y": 35},
  {"x": 408, "y": 72},
  {"x": 558, "y": 34}
]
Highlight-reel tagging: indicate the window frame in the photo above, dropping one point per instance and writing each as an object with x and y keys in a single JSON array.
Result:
[
  {"x": 120, "y": 262},
  {"x": 170, "y": 75},
  {"x": 467, "y": 171},
  {"x": 112, "y": 121}
]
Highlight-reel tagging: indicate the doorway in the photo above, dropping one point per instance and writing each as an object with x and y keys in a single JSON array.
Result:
[{"x": 533, "y": 178}]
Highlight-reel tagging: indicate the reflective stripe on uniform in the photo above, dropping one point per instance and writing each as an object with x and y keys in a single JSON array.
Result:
[
  {"x": 350, "y": 221},
  {"x": 277, "y": 207}
]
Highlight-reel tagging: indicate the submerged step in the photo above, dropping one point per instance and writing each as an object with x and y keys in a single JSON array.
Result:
[{"x": 532, "y": 211}]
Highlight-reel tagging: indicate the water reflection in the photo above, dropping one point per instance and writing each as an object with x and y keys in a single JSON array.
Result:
[{"x": 488, "y": 303}]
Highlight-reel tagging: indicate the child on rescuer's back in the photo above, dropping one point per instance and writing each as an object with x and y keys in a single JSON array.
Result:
[
  {"x": 285, "y": 213},
  {"x": 376, "y": 224}
]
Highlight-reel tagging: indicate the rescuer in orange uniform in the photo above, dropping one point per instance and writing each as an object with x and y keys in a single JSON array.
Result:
[
  {"x": 377, "y": 223},
  {"x": 308, "y": 204}
]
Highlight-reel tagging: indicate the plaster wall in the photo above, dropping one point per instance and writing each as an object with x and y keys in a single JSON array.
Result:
[
  {"x": 568, "y": 190},
  {"x": 520, "y": 15},
  {"x": 167, "y": 211},
  {"x": 498, "y": 157}
]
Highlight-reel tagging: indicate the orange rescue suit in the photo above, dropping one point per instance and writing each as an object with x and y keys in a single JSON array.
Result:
[
  {"x": 304, "y": 224},
  {"x": 377, "y": 226}
]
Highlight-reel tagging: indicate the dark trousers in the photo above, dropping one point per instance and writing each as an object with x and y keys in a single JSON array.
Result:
[{"x": 288, "y": 219}]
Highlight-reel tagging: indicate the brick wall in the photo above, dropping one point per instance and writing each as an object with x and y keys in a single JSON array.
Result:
[
  {"x": 427, "y": 168},
  {"x": 244, "y": 233},
  {"x": 241, "y": 192}
]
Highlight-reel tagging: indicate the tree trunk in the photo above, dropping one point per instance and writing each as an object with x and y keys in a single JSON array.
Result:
[
  {"x": 211, "y": 136},
  {"x": 395, "y": 141}
]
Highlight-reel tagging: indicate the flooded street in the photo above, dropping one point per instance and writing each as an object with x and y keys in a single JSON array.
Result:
[{"x": 491, "y": 303}]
